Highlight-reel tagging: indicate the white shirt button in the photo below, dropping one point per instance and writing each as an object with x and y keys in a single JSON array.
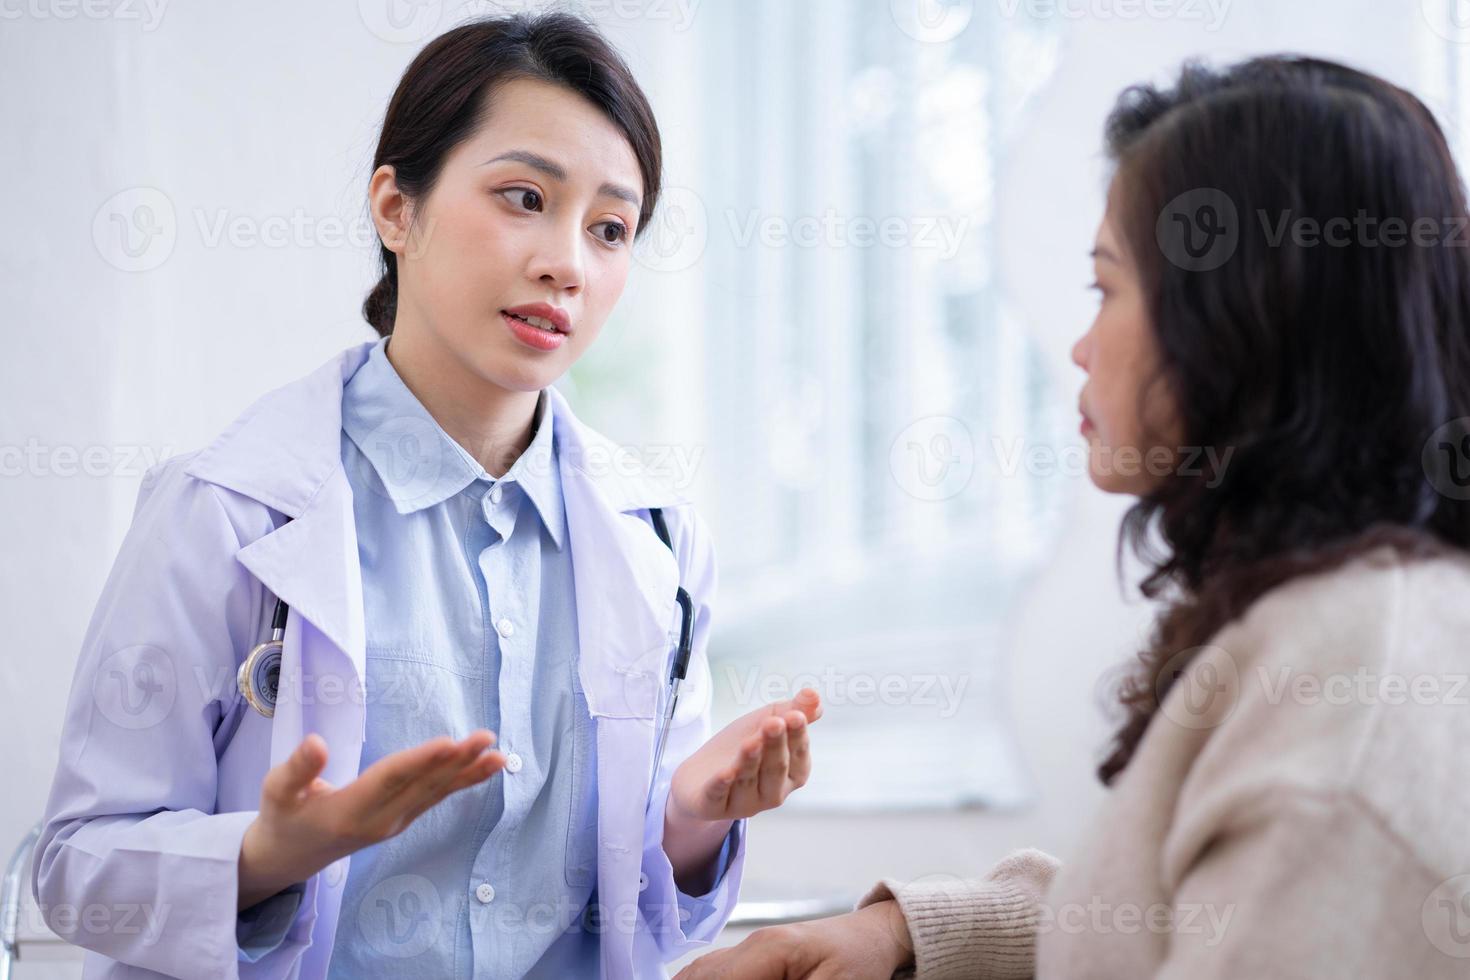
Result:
[
  {"x": 496, "y": 494},
  {"x": 485, "y": 893},
  {"x": 505, "y": 627},
  {"x": 513, "y": 763}
]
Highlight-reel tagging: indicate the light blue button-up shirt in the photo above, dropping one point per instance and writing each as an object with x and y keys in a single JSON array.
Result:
[{"x": 471, "y": 623}]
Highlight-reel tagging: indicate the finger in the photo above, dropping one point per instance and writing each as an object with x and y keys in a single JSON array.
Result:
[
  {"x": 747, "y": 770},
  {"x": 799, "y": 745},
  {"x": 768, "y": 954},
  {"x": 775, "y": 760},
  {"x": 432, "y": 785},
  {"x": 404, "y": 776},
  {"x": 809, "y": 703},
  {"x": 715, "y": 966},
  {"x": 479, "y": 770},
  {"x": 717, "y": 791},
  {"x": 733, "y": 964},
  {"x": 285, "y": 783},
  {"x": 390, "y": 815}
]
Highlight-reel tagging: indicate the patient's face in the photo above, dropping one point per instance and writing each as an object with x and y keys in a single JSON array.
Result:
[{"x": 1129, "y": 430}]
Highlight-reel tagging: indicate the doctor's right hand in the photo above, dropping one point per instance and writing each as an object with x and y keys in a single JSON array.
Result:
[{"x": 305, "y": 823}]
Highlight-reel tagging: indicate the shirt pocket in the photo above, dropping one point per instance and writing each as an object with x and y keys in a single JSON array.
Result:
[{"x": 411, "y": 700}]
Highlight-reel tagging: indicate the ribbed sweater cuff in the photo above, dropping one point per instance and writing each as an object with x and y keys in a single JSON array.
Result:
[{"x": 976, "y": 928}]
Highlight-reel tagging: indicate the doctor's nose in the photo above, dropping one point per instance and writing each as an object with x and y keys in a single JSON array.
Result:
[{"x": 558, "y": 262}]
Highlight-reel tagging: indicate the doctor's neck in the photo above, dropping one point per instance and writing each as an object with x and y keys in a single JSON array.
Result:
[{"x": 492, "y": 423}]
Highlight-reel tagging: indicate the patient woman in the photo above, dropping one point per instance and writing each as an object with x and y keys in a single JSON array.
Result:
[{"x": 1284, "y": 276}]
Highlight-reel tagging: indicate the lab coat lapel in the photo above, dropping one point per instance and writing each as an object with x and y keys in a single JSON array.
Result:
[
  {"x": 625, "y": 580},
  {"x": 312, "y": 563},
  {"x": 625, "y": 577},
  {"x": 285, "y": 452}
]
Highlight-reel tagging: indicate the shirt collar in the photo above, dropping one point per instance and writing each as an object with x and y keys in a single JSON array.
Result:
[
  {"x": 419, "y": 464},
  {"x": 536, "y": 471}
]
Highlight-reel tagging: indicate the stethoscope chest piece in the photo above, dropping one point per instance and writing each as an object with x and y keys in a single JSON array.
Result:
[{"x": 259, "y": 676}]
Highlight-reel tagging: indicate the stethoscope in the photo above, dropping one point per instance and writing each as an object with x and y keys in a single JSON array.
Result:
[
  {"x": 259, "y": 675},
  {"x": 681, "y": 657}
]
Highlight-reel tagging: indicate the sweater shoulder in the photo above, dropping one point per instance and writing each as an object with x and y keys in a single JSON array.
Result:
[{"x": 1352, "y": 684}]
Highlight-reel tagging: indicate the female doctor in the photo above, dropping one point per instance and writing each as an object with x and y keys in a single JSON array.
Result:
[{"x": 459, "y": 564}]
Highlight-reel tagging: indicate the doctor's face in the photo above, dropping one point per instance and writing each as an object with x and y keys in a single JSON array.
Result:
[
  {"x": 1128, "y": 414},
  {"x": 513, "y": 261}
]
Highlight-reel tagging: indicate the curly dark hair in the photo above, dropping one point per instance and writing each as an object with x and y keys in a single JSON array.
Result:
[{"x": 1327, "y": 364}]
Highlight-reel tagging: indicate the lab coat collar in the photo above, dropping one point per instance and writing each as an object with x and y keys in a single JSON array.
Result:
[
  {"x": 284, "y": 447},
  {"x": 285, "y": 452}
]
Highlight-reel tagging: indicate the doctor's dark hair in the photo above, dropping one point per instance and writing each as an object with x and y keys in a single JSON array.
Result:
[
  {"x": 1328, "y": 367},
  {"x": 445, "y": 92}
]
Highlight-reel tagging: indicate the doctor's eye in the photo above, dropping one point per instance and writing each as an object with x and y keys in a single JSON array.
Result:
[
  {"x": 611, "y": 232},
  {"x": 525, "y": 198}
]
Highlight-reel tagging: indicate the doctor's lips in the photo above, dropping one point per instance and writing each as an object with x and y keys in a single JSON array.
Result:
[
  {"x": 538, "y": 325},
  {"x": 542, "y": 315}
]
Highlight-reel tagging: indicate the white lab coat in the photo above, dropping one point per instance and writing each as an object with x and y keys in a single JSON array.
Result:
[{"x": 160, "y": 765}]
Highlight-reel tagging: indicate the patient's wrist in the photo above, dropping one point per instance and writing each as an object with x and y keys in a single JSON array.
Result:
[{"x": 896, "y": 928}]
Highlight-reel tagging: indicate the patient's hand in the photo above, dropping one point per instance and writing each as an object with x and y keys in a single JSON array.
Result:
[
  {"x": 869, "y": 944},
  {"x": 750, "y": 765}
]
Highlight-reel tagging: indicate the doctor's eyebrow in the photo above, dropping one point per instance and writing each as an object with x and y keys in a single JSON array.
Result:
[{"x": 558, "y": 173}]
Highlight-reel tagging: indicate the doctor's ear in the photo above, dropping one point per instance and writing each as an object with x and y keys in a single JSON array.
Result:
[{"x": 391, "y": 210}]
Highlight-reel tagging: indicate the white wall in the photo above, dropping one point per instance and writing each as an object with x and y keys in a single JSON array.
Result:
[{"x": 268, "y": 110}]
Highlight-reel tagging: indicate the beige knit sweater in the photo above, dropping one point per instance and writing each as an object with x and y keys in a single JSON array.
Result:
[{"x": 1299, "y": 808}]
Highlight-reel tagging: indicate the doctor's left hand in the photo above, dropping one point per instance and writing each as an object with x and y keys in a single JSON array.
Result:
[{"x": 750, "y": 765}]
